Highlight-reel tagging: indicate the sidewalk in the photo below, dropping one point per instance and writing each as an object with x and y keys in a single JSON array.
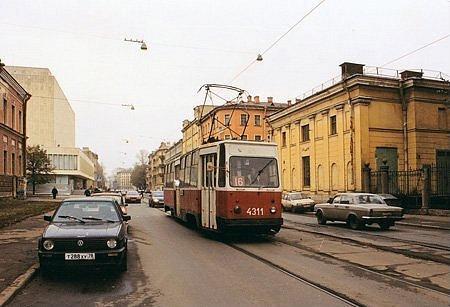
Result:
[
  {"x": 18, "y": 243},
  {"x": 426, "y": 221}
]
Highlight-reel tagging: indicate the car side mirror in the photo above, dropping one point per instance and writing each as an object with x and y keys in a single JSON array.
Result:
[
  {"x": 47, "y": 218},
  {"x": 126, "y": 218},
  {"x": 330, "y": 200}
]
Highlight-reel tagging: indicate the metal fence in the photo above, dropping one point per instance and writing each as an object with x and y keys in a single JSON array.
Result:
[
  {"x": 400, "y": 183},
  {"x": 440, "y": 180}
]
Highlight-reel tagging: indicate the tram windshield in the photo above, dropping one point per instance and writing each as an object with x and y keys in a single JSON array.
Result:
[{"x": 253, "y": 172}]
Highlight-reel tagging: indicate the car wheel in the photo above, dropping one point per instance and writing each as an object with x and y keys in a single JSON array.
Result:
[
  {"x": 321, "y": 220},
  {"x": 384, "y": 225},
  {"x": 124, "y": 264},
  {"x": 353, "y": 222}
]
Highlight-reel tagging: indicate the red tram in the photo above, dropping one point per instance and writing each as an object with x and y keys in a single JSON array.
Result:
[{"x": 226, "y": 186}]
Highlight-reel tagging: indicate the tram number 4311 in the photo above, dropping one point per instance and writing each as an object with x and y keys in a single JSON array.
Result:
[{"x": 255, "y": 211}]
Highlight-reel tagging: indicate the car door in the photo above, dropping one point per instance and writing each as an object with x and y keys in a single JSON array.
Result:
[
  {"x": 332, "y": 209},
  {"x": 345, "y": 207}
]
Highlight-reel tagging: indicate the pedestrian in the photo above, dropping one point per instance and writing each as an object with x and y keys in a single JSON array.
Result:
[
  {"x": 87, "y": 192},
  {"x": 54, "y": 192}
]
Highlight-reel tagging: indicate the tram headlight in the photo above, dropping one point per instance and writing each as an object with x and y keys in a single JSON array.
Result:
[
  {"x": 237, "y": 209},
  {"x": 273, "y": 210}
]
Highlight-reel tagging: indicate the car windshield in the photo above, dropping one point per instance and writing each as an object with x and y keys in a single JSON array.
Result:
[
  {"x": 86, "y": 210},
  {"x": 157, "y": 194},
  {"x": 296, "y": 196},
  {"x": 132, "y": 193},
  {"x": 116, "y": 197},
  {"x": 253, "y": 172},
  {"x": 369, "y": 199}
]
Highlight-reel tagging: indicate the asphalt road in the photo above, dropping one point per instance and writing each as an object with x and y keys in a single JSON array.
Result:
[{"x": 171, "y": 265}]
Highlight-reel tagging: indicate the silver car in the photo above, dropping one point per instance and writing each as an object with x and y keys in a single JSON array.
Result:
[
  {"x": 297, "y": 201},
  {"x": 358, "y": 210}
]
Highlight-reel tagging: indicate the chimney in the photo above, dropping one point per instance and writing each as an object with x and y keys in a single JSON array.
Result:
[
  {"x": 185, "y": 122},
  {"x": 350, "y": 69},
  {"x": 297, "y": 100},
  {"x": 256, "y": 99},
  {"x": 411, "y": 74},
  {"x": 289, "y": 102},
  {"x": 270, "y": 100},
  {"x": 249, "y": 98}
]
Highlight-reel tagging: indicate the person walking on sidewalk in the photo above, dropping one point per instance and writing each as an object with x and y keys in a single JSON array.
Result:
[
  {"x": 54, "y": 192},
  {"x": 87, "y": 192}
]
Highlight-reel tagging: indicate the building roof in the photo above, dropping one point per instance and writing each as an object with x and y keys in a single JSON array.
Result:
[{"x": 5, "y": 76}]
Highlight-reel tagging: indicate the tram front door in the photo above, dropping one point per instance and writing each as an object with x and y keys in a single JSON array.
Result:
[{"x": 209, "y": 174}]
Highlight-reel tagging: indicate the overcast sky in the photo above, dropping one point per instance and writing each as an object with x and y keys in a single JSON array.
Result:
[{"x": 196, "y": 42}]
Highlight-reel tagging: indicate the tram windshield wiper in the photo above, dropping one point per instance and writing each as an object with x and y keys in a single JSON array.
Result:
[{"x": 260, "y": 171}]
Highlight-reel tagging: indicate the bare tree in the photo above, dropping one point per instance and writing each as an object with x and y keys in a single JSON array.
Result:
[{"x": 142, "y": 157}]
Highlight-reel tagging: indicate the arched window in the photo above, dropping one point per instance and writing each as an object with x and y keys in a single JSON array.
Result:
[
  {"x": 334, "y": 177},
  {"x": 320, "y": 177},
  {"x": 350, "y": 179}
]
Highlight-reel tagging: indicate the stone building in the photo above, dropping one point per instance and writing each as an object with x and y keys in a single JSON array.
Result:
[
  {"x": 99, "y": 179},
  {"x": 155, "y": 167},
  {"x": 191, "y": 129},
  {"x": 50, "y": 123},
  {"x": 13, "y": 130},
  {"x": 123, "y": 179},
  {"x": 367, "y": 116},
  {"x": 233, "y": 120}
]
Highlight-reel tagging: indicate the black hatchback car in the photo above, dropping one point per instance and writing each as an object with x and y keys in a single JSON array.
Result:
[{"x": 83, "y": 232}]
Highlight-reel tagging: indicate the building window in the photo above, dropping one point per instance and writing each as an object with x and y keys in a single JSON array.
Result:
[
  {"x": 227, "y": 136},
  {"x": 13, "y": 117},
  {"x": 20, "y": 165},
  {"x": 258, "y": 138},
  {"x": 13, "y": 164},
  {"x": 5, "y": 162},
  {"x": 333, "y": 126},
  {"x": 227, "y": 120},
  {"x": 5, "y": 111},
  {"x": 20, "y": 122},
  {"x": 257, "y": 120},
  {"x": 305, "y": 133},
  {"x": 306, "y": 172},
  {"x": 283, "y": 139},
  {"x": 442, "y": 118},
  {"x": 244, "y": 137},
  {"x": 244, "y": 119}
]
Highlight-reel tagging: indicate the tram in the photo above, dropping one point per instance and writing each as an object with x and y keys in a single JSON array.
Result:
[{"x": 226, "y": 186}]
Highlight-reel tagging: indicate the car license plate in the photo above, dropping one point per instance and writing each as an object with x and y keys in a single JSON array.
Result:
[{"x": 79, "y": 256}]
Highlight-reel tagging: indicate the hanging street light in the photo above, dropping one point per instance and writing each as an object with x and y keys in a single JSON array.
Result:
[{"x": 143, "y": 44}]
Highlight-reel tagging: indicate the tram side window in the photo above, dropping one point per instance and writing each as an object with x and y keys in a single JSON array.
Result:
[
  {"x": 182, "y": 169},
  {"x": 187, "y": 171},
  {"x": 222, "y": 169},
  {"x": 194, "y": 169}
]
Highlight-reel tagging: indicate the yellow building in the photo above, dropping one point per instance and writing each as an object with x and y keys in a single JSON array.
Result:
[
  {"x": 364, "y": 117},
  {"x": 191, "y": 130},
  {"x": 123, "y": 179},
  {"x": 245, "y": 120},
  {"x": 155, "y": 174}
]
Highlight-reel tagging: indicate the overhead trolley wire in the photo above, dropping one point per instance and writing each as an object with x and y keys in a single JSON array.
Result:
[
  {"x": 415, "y": 50},
  {"x": 277, "y": 40}
]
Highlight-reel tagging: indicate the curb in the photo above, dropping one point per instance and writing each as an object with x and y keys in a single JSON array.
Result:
[
  {"x": 7, "y": 294},
  {"x": 422, "y": 226}
]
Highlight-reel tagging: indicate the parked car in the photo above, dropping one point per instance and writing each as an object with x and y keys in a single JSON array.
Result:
[
  {"x": 297, "y": 201},
  {"x": 83, "y": 232},
  {"x": 118, "y": 197},
  {"x": 358, "y": 209},
  {"x": 133, "y": 197},
  {"x": 157, "y": 199},
  {"x": 391, "y": 200}
]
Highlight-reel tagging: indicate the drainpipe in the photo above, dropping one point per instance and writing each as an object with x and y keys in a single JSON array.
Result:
[
  {"x": 404, "y": 123},
  {"x": 352, "y": 136}
]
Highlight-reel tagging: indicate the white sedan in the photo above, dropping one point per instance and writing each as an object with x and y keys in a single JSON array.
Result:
[
  {"x": 296, "y": 201},
  {"x": 358, "y": 209}
]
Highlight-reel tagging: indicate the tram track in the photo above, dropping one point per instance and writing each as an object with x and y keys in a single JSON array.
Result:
[
  {"x": 410, "y": 253},
  {"x": 341, "y": 297},
  {"x": 436, "y": 289}
]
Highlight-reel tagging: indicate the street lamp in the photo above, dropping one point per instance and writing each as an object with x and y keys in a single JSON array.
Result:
[
  {"x": 143, "y": 44},
  {"x": 131, "y": 106}
]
